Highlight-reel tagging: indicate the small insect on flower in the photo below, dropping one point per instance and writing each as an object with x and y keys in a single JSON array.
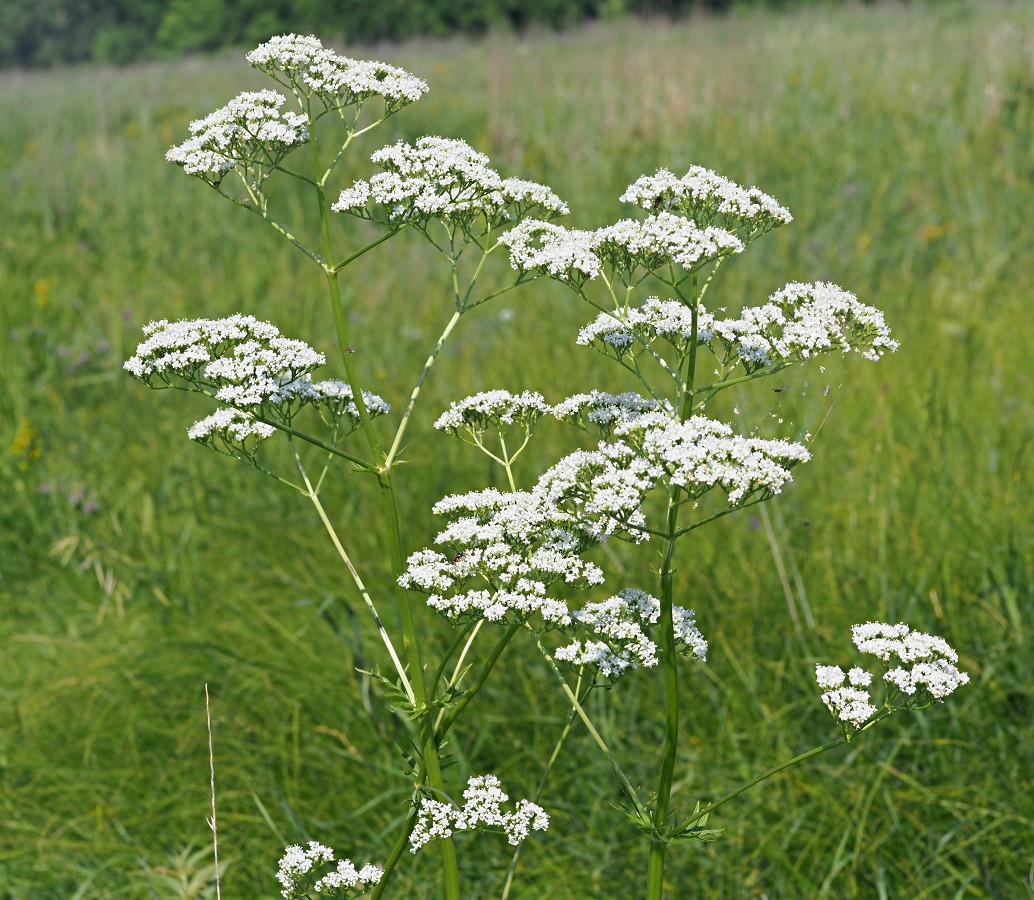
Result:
[{"x": 458, "y": 558}]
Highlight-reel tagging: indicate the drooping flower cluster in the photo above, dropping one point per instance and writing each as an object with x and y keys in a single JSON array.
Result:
[
  {"x": 303, "y": 64},
  {"x": 622, "y": 642},
  {"x": 802, "y": 320},
  {"x": 298, "y": 873},
  {"x": 707, "y": 197},
  {"x": 444, "y": 179},
  {"x": 482, "y": 809},
  {"x": 249, "y": 134},
  {"x": 248, "y": 365},
  {"x": 927, "y": 672},
  {"x": 493, "y": 409}
]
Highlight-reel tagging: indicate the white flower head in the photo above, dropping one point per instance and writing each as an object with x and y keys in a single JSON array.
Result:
[
  {"x": 707, "y": 197},
  {"x": 446, "y": 179},
  {"x": 927, "y": 673},
  {"x": 246, "y": 364},
  {"x": 702, "y": 453},
  {"x": 802, "y": 320},
  {"x": 658, "y": 240},
  {"x": 622, "y": 623},
  {"x": 482, "y": 810},
  {"x": 493, "y": 409},
  {"x": 299, "y": 871},
  {"x": 304, "y": 65},
  {"x": 627, "y": 331},
  {"x": 540, "y": 247},
  {"x": 249, "y": 134},
  {"x": 603, "y": 410}
]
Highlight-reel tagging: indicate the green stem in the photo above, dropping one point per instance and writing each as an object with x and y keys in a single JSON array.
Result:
[
  {"x": 471, "y": 692},
  {"x": 429, "y": 749},
  {"x": 571, "y": 716},
  {"x": 655, "y": 883},
  {"x": 396, "y": 444},
  {"x": 325, "y": 519},
  {"x": 630, "y": 791}
]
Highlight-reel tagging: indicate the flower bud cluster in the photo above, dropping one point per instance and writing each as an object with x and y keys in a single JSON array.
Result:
[
  {"x": 298, "y": 873},
  {"x": 625, "y": 645},
  {"x": 927, "y": 672},
  {"x": 249, "y": 133},
  {"x": 304, "y": 65},
  {"x": 482, "y": 808},
  {"x": 706, "y": 197},
  {"x": 446, "y": 179}
]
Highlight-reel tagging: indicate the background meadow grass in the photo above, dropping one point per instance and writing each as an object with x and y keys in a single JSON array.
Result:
[{"x": 135, "y": 567}]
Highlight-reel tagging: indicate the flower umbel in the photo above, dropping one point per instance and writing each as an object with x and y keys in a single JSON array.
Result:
[
  {"x": 482, "y": 809},
  {"x": 249, "y": 134},
  {"x": 306, "y": 67},
  {"x": 927, "y": 674},
  {"x": 300, "y": 868}
]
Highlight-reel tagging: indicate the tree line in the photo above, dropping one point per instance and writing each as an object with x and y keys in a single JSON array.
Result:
[{"x": 40, "y": 33}]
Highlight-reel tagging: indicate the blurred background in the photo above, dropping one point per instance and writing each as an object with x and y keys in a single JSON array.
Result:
[{"x": 136, "y": 567}]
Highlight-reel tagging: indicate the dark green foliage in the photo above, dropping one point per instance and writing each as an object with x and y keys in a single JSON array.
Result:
[{"x": 52, "y": 32}]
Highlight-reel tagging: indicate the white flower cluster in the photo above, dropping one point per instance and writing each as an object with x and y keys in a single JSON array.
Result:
[
  {"x": 704, "y": 195},
  {"x": 928, "y": 672},
  {"x": 297, "y": 870},
  {"x": 625, "y": 644},
  {"x": 801, "y": 320},
  {"x": 604, "y": 410},
  {"x": 246, "y": 361},
  {"x": 446, "y": 179},
  {"x": 493, "y": 409},
  {"x": 668, "y": 320},
  {"x": 849, "y": 702},
  {"x": 574, "y": 256},
  {"x": 702, "y": 453},
  {"x": 337, "y": 81},
  {"x": 932, "y": 662},
  {"x": 482, "y": 808},
  {"x": 661, "y": 239},
  {"x": 250, "y": 131},
  {"x": 513, "y": 544},
  {"x": 231, "y": 426},
  {"x": 247, "y": 364},
  {"x": 566, "y": 254},
  {"x": 508, "y": 548}
]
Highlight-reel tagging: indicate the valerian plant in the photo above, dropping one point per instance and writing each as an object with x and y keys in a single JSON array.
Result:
[{"x": 509, "y": 563}]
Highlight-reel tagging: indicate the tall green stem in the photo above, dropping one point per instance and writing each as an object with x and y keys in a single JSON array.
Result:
[
  {"x": 429, "y": 748},
  {"x": 655, "y": 882}
]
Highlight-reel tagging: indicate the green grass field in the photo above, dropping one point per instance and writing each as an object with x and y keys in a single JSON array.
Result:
[{"x": 136, "y": 567}]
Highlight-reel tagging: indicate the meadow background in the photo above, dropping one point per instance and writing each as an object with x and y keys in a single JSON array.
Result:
[{"x": 136, "y": 567}]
